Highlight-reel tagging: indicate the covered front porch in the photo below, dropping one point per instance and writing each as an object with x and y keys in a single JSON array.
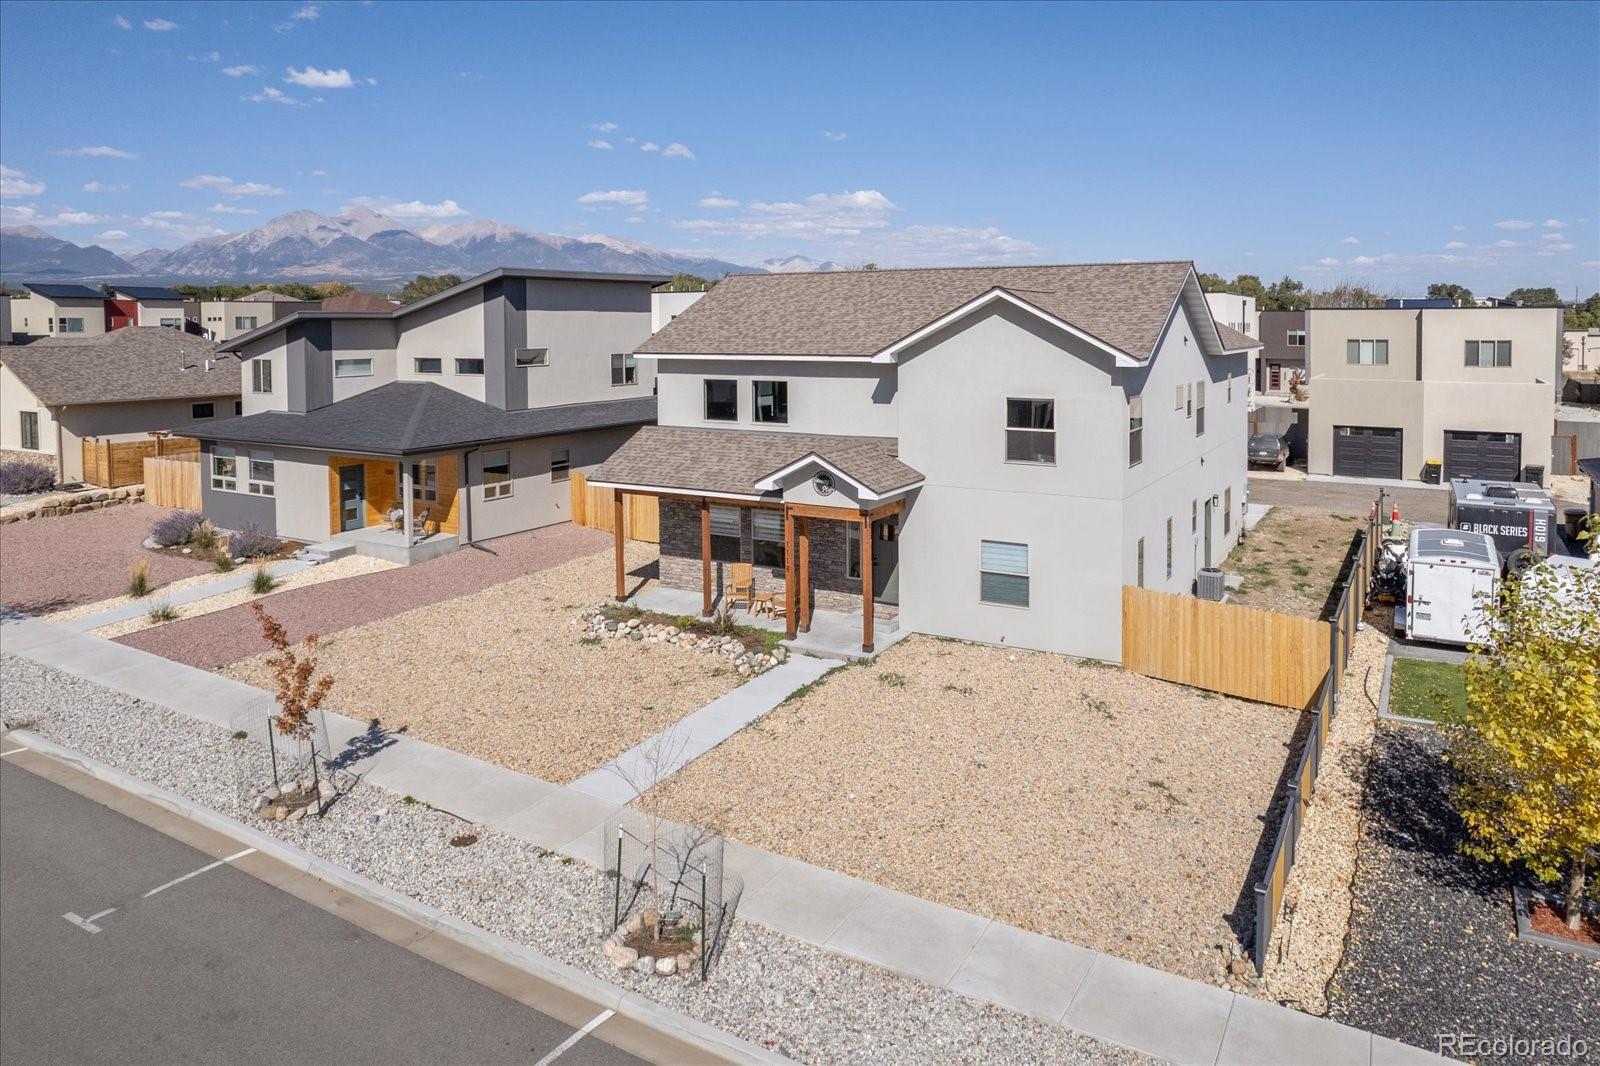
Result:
[
  {"x": 832, "y": 634},
  {"x": 403, "y": 509}
]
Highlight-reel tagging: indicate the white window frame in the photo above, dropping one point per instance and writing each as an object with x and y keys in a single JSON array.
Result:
[
  {"x": 172, "y": 323},
  {"x": 1179, "y": 406},
  {"x": 1032, "y": 431},
  {"x": 1199, "y": 408},
  {"x": 425, "y": 481},
  {"x": 705, "y": 399},
  {"x": 755, "y": 401},
  {"x": 418, "y": 360},
  {"x": 1227, "y": 510},
  {"x": 528, "y": 358},
  {"x": 255, "y": 484},
  {"x": 497, "y": 490},
  {"x": 560, "y": 464},
  {"x": 224, "y": 478},
  {"x": 628, "y": 365},
  {"x": 1026, "y": 574},
  {"x": 1494, "y": 348},
  {"x": 852, "y": 543},
  {"x": 468, "y": 360},
  {"x": 1291, "y": 342},
  {"x": 240, "y": 320},
  {"x": 69, "y": 325},
  {"x": 353, "y": 368},
  {"x": 1135, "y": 431},
  {"x": 261, "y": 376},
  {"x": 1138, "y": 552}
]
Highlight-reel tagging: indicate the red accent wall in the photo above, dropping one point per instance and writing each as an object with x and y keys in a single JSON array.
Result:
[{"x": 121, "y": 313}]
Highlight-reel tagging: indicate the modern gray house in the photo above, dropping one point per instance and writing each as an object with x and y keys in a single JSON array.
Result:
[
  {"x": 988, "y": 453},
  {"x": 411, "y": 431},
  {"x": 1283, "y": 350}
]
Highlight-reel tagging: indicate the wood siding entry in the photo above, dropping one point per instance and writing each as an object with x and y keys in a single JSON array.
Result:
[{"x": 380, "y": 492}]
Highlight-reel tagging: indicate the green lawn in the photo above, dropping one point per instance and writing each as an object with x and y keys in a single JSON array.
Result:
[{"x": 1420, "y": 688}]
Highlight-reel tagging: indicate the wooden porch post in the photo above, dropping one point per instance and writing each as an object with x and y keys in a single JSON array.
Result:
[
  {"x": 804, "y": 528},
  {"x": 705, "y": 557},
  {"x": 616, "y": 539},
  {"x": 791, "y": 585},
  {"x": 866, "y": 583}
]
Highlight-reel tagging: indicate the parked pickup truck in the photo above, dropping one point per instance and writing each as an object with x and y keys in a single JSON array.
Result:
[{"x": 1268, "y": 449}]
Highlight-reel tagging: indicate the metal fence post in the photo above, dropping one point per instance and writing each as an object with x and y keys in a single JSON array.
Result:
[
  {"x": 616, "y": 902},
  {"x": 272, "y": 747},
  {"x": 1263, "y": 925},
  {"x": 705, "y": 924}
]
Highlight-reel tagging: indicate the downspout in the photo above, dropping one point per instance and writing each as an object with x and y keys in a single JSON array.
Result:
[{"x": 466, "y": 488}]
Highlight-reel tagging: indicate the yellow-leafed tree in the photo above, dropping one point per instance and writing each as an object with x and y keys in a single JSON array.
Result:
[{"x": 1528, "y": 748}]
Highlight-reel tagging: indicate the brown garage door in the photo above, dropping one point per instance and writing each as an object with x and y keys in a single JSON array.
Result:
[
  {"x": 1490, "y": 456},
  {"x": 1367, "y": 451}
]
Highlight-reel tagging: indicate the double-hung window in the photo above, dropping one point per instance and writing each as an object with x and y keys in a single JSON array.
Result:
[
  {"x": 260, "y": 375},
  {"x": 1296, "y": 338},
  {"x": 722, "y": 400},
  {"x": 766, "y": 536},
  {"x": 1488, "y": 353},
  {"x": 30, "y": 429},
  {"x": 560, "y": 464},
  {"x": 1199, "y": 408},
  {"x": 244, "y": 323},
  {"x": 1366, "y": 353},
  {"x": 624, "y": 369},
  {"x": 1031, "y": 431},
  {"x": 1180, "y": 399},
  {"x": 526, "y": 357},
  {"x": 771, "y": 401},
  {"x": 1003, "y": 573},
  {"x": 352, "y": 368},
  {"x": 496, "y": 474},
  {"x": 260, "y": 481},
  {"x": 725, "y": 530},
  {"x": 471, "y": 367},
  {"x": 425, "y": 481},
  {"x": 1136, "y": 431},
  {"x": 224, "y": 469},
  {"x": 427, "y": 364}
]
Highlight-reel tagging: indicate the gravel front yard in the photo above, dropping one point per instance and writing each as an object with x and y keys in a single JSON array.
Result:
[
  {"x": 1432, "y": 940},
  {"x": 502, "y": 674},
  {"x": 1114, "y": 811},
  {"x": 226, "y": 637},
  {"x": 49, "y": 564},
  {"x": 793, "y": 998},
  {"x": 1290, "y": 561}
]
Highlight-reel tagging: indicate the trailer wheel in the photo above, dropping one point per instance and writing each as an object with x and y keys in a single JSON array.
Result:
[{"x": 1520, "y": 561}]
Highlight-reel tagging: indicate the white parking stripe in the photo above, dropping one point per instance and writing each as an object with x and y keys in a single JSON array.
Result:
[
  {"x": 197, "y": 873},
  {"x": 13, "y": 751},
  {"x": 566, "y": 1045}
]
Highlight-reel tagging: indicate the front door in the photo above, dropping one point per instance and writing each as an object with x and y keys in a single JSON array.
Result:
[
  {"x": 352, "y": 497},
  {"x": 886, "y": 560},
  {"x": 1208, "y": 532}
]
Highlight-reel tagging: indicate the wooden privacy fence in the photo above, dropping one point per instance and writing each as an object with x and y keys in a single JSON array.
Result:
[
  {"x": 173, "y": 481},
  {"x": 1341, "y": 630},
  {"x": 641, "y": 515},
  {"x": 112, "y": 464}
]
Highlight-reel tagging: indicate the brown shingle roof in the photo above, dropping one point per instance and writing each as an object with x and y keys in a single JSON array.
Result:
[
  {"x": 732, "y": 460},
  {"x": 358, "y": 301},
  {"x": 128, "y": 364},
  {"x": 267, "y": 296},
  {"x": 1233, "y": 340},
  {"x": 862, "y": 312}
]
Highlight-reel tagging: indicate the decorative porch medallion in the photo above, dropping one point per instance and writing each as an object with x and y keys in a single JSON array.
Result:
[{"x": 823, "y": 483}]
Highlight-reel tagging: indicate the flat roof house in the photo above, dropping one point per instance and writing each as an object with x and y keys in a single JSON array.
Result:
[
  {"x": 987, "y": 453},
  {"x": 145, "y": 305},
  {"x": 57, "y": 392},
  {"x": 413, "y": 430},
  {"x": 223, "y": 320},
  {"x": 1283, "y": 350},
  {"x": 1392, "y": 388},
  {"x": 51, "y": 310}
]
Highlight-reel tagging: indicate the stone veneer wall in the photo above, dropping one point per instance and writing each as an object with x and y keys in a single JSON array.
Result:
[{"x": 680, "y": 558}]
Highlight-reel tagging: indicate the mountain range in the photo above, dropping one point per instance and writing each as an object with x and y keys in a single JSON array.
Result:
[{"x": 357, "y": 245}]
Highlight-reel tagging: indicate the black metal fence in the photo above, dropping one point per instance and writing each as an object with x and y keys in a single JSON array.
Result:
[{"x": 677, "y": 870}]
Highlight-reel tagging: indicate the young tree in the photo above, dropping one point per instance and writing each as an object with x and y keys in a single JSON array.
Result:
[
  {"x": 300, "y": 690},
  {"x": 1528, "y": 748}
]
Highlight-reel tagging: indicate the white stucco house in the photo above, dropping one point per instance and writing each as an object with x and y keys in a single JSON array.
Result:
[{"x": 986, "y": 453}]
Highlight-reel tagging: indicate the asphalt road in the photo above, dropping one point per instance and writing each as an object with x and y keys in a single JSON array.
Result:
[
  {"x": 218, "y": 968},
  {"x": 1418, "y": 504}
]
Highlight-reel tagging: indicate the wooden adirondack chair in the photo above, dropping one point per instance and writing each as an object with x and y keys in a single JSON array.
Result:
[{"x": 741, "y": 585}]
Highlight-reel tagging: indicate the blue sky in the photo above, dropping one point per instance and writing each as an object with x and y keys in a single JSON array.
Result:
[{"x": 1389, "y": 144}]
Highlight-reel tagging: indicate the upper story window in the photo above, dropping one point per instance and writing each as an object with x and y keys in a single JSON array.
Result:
[
  {"x": 1136, "y": 431},
  {"x": 1488, "y": 353},
  {"x": 245, "y": 322},
  {"x": 202, "y": 410},
  {"x": 1030, "y": 431},
  {"x": 469, "y": 366},
  {"x": 260, "y": 375},
  {"x": 771, "y": 401},
  {"x": 624, "y": 369},
  {"x": 1199, "y": 408},
  {"x": 496, "y": 474},
  {"x": 352, "y": 368},
  {"x": 427, "y": 365},
  {"x": 725, "y": 533},
  {"x": 526, "y": 357},
  {"x": 1179, "y": 407},
  {"x": 1188, "y": 399},
  {"x": 722, "y": 400},
  {"x": 1366, "y": 353},
  {"x": 1296, "y": 338},
  {"x": 560, "y": 464},
  {"x": 1227, "y": 511}
]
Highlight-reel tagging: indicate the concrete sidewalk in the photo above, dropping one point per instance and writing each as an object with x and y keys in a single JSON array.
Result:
[
  {"x": 1123, "y": 1002},
  {"x": 238, "y": 579}
]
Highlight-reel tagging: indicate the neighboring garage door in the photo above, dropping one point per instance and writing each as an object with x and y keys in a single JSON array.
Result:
[
  {"x": 1366, "y": 451},
  {"x": 1490, "y": 456}
]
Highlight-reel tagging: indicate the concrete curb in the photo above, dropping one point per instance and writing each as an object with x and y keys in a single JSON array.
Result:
[{"x": 603, "y": 994}]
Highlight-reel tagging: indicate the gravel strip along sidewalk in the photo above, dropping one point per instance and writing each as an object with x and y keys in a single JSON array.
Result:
[
  {"x": 1110, "y": 810},
  {"x": 503, "y": 675},
  {"x": 1309, "y": 938},
  {"x": 795, "y": 999},
  {"x": 337, "y": 570},
  {"x": 56, "y": 563},
  {"x": 1433, "y": 945},
  {"x": 228, "y": 636}
]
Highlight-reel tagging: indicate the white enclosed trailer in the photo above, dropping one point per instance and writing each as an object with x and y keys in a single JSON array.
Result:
[{"x": 1448, "y": 573}]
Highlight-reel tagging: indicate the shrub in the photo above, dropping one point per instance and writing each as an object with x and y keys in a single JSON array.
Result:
[
  {"x": 175, "y": 528},
  {"x": 224, "y": 562},
  {"x": 163, "y": 612},
  {"x": 262, "y": 581},
  {"x": 251, "y": 543},
  {"x": 22, "y": 476},
  {"x": 139, "y": 578},
  {"x": 203, "y": 537}
]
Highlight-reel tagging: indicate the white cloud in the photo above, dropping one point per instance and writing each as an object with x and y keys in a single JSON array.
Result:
[
  {"x": 227, "y": 209},
  {"x": 845, "y": 214},
  {"x": 1351, "y": 240},
  {"x": 112, "y": 235},
  {"x": 169, "y": 214},
  {"x": 1563, "y": 247},
  {"x": 1459, "y": 228},
  {"x": 70, "y": 217},
  {"x": 625, "y": 197},
  {"x": 123, "y": 23},
  {"x": 271, "y": 95},
  {"x": 239, "y": 71},
  {"x": 319, "y": 173},
  {"x": 677, "y": 151},
  {"x": 1455, "y": 244},
  {"x": 1503, "y": 243},
  {"x": 177, "y": 224},
  {"x": 100, "y": 186},
  {"x": 1552, "y": 237},
  {"x": 312, "y": 78},
  {"x": 833, "y": 135},
  {"x": 309, "y": 13},
  {"x": 408, "y": 209},
  {"x": 18, "y": 213},
  {"x": 718, "y": 201},
  {"x": 1364, "y": 260},
  {"x": 1513, "y": 223},
  {"x": 208, "y": 57},
  {"x": 14, "y": 184},
  {"x": 1590, "y": 263},
  {"x": 229, "y": 187},
  {"x": 1554, "y": 223},
  {"x": 634, "y": 219},
  {"x": 649, "y": 146},
  {"x": 97, "y": 151},
  {"x": 160, "y": 25},
  {"x": 603, "y": 127},
  {"x": 604, "y": 146},
  {"x": 1327, "y": 261}
]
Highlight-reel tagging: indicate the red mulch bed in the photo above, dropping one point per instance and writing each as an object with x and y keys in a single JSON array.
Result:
[
  {"x": 50, "y": 564},
  {"x": 1547, "y": 920},
  {"x": 214, "y": 640}
]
